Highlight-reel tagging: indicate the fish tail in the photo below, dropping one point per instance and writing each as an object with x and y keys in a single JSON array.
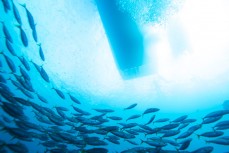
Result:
[
  {"x": 39, "y": 44},
  {"x": 18, "y": 25},
  {"x": 141, "y": 141},
  {"x": 198, "y": 136},
  {"x": 23, "y": 5}
]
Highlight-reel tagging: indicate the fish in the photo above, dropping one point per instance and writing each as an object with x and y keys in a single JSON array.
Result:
[
  {"x": 10, "y": 48},
  {"x": 10, "y": 63},
  {"x": 41, "y": 52},
  {"x": 23, "y": 35},
  {"x": 29, "y": 17},
  {"x": 183, "y": 125},
  {"x": 185, "y": 144},
  {"x": 211, "y": 119},
  {"x": 6, "y": 32},
  {"x": 34, "y": 34},
  {"x": 195, "y": 127},
  {"x": 44, "y": 74},
  {"x": 74, "y": 99},
  {"x": 38, "y": 68},
  {"x": 24, "y": 62},
  {"x": 211, "y": 134},
  {"x": 97, "y": 150},
  {"x": 131, "y": 106},
  {"x": 170, "y": 126},
  {"x": 133, "y": 117},
  {"x": 171, "y": 142},
  {"x": 6, "y": 5},
  {"x": 188, "y": 121},
  {"x": 133, "y": 132},
  {"x": 116, "y": 118},
  {"x": 17, "y": 147},
  {"x": 26, "y": 84},
  {"x": 26, "y": 93},
  {"x": 162, "y": 120},
  {"x": 170, "y": 133},
  {"x": 145, "y": 127},
  {"x": 110, "y": 128},
  {"x": 104, "y": 110},
  {"x": 155, "y": 143},
  {"x": 220, "y": 141},
  {"x": 24, "y": 74},
  {"x": 6, "y": 119},
  {"x": 16, "y": 14},
  {"x": 224, "y": 127},
  {"x": 114, "y": 141},
  {"x": 61, "y": 108},
  {"x": 123, "y": 135},
  {"x": 12, "y": 109},
  {"x": 180, "y": 119},
  {"x": 41, "y": 98},
  {"x": 132, "y": 142},
  {"x": 150, "y": 110},
  {"x": 184, "y": 135},
  {"x": 59, "y": 93},
  {"x": 216, "y": 113},
  {"x": 222, "y": 123},
  {"x": 22, "y": 101},
  {"x": 2, "y": 79},
  {"x": 80, "y": 110},
  {"x": 151, "y": 120},
  {"x": 206, "y": 149},
  {"x": 129, "y": 125}
]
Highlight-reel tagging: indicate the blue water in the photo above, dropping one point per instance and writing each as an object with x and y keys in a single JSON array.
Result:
[{"x": 79, "y": 61}]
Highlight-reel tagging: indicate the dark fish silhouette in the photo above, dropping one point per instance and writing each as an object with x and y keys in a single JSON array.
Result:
[
  {"x": 114, "y": 118},
  {"x": 133, "y": 117},
  {"x": 6, "y": 5},
  {"x": 150, "y": 110},
  {"x": 131, "y": 106},
  {"x": 74, "y": 99},
  {"x": 207, "y": 149},
  {"x": 185, "y": 144},
  {"x": 24, "y": 62},
  {"x": 41, "y": 52},
  {"x": 23, "y": 36},
  {"x": 59, "y": 93},
  {"x": 16, "y": 13},
  {"x": 6, "y": 32},
  {"x": 44, "y": 74},
  {"x": 151, "y": 120},
  {"x": 10, "y": 48},
  {"x": 10, "y": 63},
  {"x": 29, "y": 17},
  {"x": 211, "y": 134}
]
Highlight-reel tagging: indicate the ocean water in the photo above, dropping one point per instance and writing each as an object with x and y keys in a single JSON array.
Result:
[{"x": 186, "y": 53}]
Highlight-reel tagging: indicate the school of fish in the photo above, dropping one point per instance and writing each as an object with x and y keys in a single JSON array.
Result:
[{"x": 62, "y": 130}]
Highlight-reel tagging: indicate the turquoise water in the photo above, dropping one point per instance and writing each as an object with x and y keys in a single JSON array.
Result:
[{"x": 79, "y": 62}]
